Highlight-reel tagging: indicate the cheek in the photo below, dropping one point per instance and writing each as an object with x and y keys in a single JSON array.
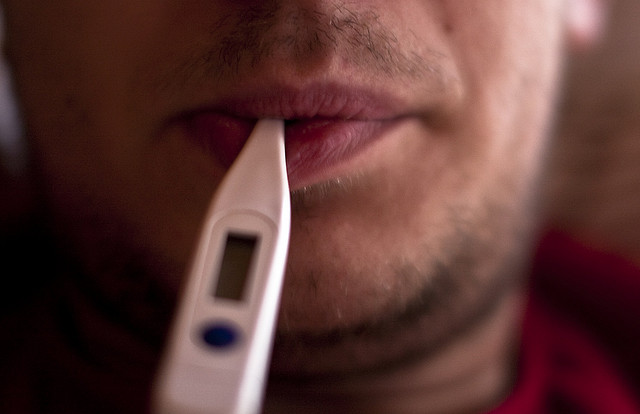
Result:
[
  {"x": 510, "y": 60},
  {"x": 93, "y": 133}
]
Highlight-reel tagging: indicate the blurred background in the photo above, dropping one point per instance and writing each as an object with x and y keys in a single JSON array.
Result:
[{"x": 593, "y": 188}]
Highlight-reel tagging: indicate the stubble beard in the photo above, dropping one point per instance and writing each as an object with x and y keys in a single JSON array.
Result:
[
  {"x": 124, "y": 274},
  {"x": 459, "y": 291},
  {"x": 124, "y": 281}
]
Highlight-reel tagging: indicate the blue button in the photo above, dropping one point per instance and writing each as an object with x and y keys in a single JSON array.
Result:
[{"x": 220, "y": 335}]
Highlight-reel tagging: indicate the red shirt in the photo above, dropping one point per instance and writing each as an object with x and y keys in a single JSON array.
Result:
[{"x": 580, "y": 349}]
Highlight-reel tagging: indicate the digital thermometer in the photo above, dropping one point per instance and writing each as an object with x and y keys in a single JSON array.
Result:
[{"x": 220, "y": 344}]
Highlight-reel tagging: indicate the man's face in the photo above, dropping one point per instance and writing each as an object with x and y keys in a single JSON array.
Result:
[{"x": 414, "y": 136}]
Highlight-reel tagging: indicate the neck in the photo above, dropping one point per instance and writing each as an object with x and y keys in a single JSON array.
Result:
[{"x": 471, "y": 376}]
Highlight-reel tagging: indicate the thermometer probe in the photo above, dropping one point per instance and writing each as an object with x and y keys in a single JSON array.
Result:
[{"x": 219, "y": 347}]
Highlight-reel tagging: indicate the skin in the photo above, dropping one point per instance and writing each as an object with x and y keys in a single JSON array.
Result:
[{"x": 421, "y": 238}]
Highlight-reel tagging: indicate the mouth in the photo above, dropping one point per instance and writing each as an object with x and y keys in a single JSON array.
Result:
[
  {"x": 315, "y": 146},
  {"x": 325, "y": 127}
]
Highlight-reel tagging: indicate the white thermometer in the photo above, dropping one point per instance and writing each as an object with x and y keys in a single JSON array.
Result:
[{"x": 219, "y": 347}]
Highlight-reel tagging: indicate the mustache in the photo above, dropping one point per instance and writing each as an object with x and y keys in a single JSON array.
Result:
[
  {"x": 270, "y": 33},
  {"x": 306, "y": 35}
]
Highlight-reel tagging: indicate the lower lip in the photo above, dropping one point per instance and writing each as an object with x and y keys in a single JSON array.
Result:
[{"x": 314, "y": 147}]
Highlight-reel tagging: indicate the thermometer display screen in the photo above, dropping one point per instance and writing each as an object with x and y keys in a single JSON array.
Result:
[{"x": 235, "y": 267}]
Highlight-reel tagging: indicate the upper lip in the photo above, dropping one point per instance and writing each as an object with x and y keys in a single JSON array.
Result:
[{"x": 328, "y": 101}]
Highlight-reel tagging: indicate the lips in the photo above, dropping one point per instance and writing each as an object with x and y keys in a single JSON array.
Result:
[
  {"x": 314, "y": 146},
  {"x": 324, "y": 127}
]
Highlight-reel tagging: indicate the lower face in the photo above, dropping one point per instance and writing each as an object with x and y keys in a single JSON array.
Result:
[{"x": 402, "y": 230}]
